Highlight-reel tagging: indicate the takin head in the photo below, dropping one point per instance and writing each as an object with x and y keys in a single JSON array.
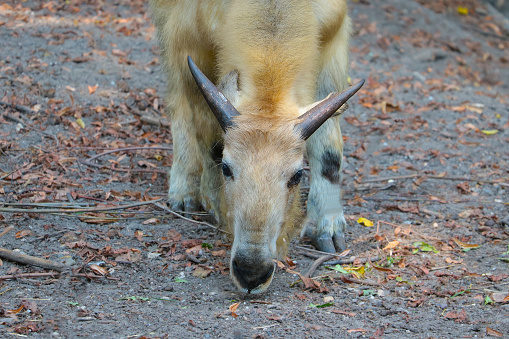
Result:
[{"x": 262, "y": 168}]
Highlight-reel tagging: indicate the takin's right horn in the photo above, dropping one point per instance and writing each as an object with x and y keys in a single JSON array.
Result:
[
  {"x": 316, "y": 116},
  {"x": 219, "y": 105}
]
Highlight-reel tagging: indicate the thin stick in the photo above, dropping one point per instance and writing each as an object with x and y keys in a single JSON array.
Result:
[
  {"x": 6, "y": 230},
  {"x": 76, "y": 210},
  {"x": 33, "y": 261},
  {"x": 52, "y": 274},
  {"x": 411, "y": 176},
  {"x": 164, "y": 208},
  {"x": 20, "y": 108},
  {"x": 352, "y": 260},
  {"x": 128, "y": 149},
  {"x": 317, "y": 263},
  {"x": 121, "y": 169}
]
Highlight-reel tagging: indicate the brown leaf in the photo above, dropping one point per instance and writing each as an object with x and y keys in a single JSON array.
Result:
[
  {"x": 233, "y": 308},
  {"x": 201, "y": 272},
  {"x": 22, "y": 234},
  {"x": 118, "y": 52},
  {"x": 459, "y": 317},
  {"x": 220, "y": 253},
  {"x": 99, "y": 270},
  {"x": 496, "y": 278},
  {"x": 492, "y": 332},
  {"x": 350, "y": 314},
  {"x": 138, "y": 235}
]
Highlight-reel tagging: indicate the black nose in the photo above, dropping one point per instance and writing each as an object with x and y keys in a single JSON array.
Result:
[{"x": 250, "y": 275}]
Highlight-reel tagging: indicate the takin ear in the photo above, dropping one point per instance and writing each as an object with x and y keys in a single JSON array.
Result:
[
  {"x": 229, "y": 86},
  {"x": 320, "y": 111},
  {"x": 223, "y": 110}
]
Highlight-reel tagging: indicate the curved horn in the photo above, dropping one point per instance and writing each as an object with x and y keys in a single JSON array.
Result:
[
  {"x": 316, "y": 116},
  {"x": 220, "y": 106}
]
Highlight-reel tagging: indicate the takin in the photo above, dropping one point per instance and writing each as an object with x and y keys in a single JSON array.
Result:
[{"x": 278, "y": 66}]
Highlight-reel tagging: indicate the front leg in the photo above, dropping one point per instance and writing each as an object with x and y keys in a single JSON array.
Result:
[{"x": 324, "y": 207}]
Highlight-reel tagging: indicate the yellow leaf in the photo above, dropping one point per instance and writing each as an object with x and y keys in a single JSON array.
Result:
[
  {"x": 365, "y": 222},
  {"x": 463, "y": 10},
  {"x": 358, "y": 272},
  {"x": 391, "y": 245},
  {"x": 490, "y": 131},
  {"x": 80, "y": 123},
  {"x": 158, "y": 157}
]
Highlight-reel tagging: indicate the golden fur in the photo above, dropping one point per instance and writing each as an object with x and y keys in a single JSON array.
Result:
[{"x": 287, "y": 55}]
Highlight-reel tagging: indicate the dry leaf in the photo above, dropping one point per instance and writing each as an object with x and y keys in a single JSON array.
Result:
[
  {"x": 92, "y": 89},
  {"x": 99, "y": 270},
  {"x": 391, "y": 245},
  {"x": 233, "y": 308},
  {"x": 492, "y": 332},
  {"x": 465, "y": 245}
]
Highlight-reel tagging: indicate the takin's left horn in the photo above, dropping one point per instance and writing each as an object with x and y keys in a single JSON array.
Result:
[
  {"x": 219, "y": 105},
  {"x": 316, "y": 116}
]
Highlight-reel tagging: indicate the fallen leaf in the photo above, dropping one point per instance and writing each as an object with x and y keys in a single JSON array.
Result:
[
  {"x": 365, "y": 222},
  {"x": 92, "y": 89},
  {"x": 201, "y": 272},
  {"x": 350, "y": 314},
  {"x": 233, "y": 308},
  {"x": 151, "y": 221},
  {"x": 459, "y": 317},
  {"x": 492, "y": 332},
  {"x": 490, "y": 131},
  {"x": 22, "y": 234},
  {"x": 80, "y": 123},
  {"x": 464, "y": 246},
  {"x": 391, "y": 245},
  {"x": 220, "y": 253},
  {"x": 99, "y": 270},
  {"x": 462, "y": 10},
  {"x": 500, "y": 297}
]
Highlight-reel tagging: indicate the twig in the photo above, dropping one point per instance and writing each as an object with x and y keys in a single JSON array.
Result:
[
  {"x": 52, "y": 274},
  {"x": 20, "y": 108},
  {"x": 164, "y": 208},
  {"x": 6, "y": 230},
  {"x": 352, "y": 260},
  {"x": 349, "y": 280},
  {"x": 30, "y": 275},
  {"x": 411, "y": 176},
  {"x": 316, "y": 251},
  {"x": 122, "y": 169},
  {"x": 76, "y": 210},
  {"x": 155, "y": 121},
  {"x": 33, "y": 261},
  {"x": 317, "y": 263},
  {"x": 128, "y": 149}
]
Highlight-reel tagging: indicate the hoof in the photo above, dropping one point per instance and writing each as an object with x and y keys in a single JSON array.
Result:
[
  {"x": 184, "y": 205},
  {"x": 329, "y": 235}
]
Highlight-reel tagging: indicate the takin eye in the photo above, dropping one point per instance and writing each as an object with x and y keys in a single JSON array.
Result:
[
  {"x": 295, "y": 179},
  {"x": 227, "y": 171}
]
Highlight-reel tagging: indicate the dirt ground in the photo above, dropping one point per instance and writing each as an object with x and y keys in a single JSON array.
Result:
[{"x": 426, "y": 160}]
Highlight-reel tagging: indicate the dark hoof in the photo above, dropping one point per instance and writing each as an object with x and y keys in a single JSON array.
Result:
[
  {"x": 185, "y": 205},
  {"x": 331, "y": 244}
]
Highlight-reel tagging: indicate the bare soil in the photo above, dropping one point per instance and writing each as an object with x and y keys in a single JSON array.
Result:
[{"x": 426, "y": 160}]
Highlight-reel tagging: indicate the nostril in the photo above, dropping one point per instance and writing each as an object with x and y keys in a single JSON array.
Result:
[{"x": 251, "y": 276}]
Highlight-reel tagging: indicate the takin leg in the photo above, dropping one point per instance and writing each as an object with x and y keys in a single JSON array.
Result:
[
  {"x": 324, "y": 207},
  {"x": 325, "y": 151},
  {"x": 185, "y": 173}
]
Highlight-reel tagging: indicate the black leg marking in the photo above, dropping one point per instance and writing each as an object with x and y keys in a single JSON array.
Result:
[
  {"x": 217, "y": 152},
  {"x": 331, "y": 163}
]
